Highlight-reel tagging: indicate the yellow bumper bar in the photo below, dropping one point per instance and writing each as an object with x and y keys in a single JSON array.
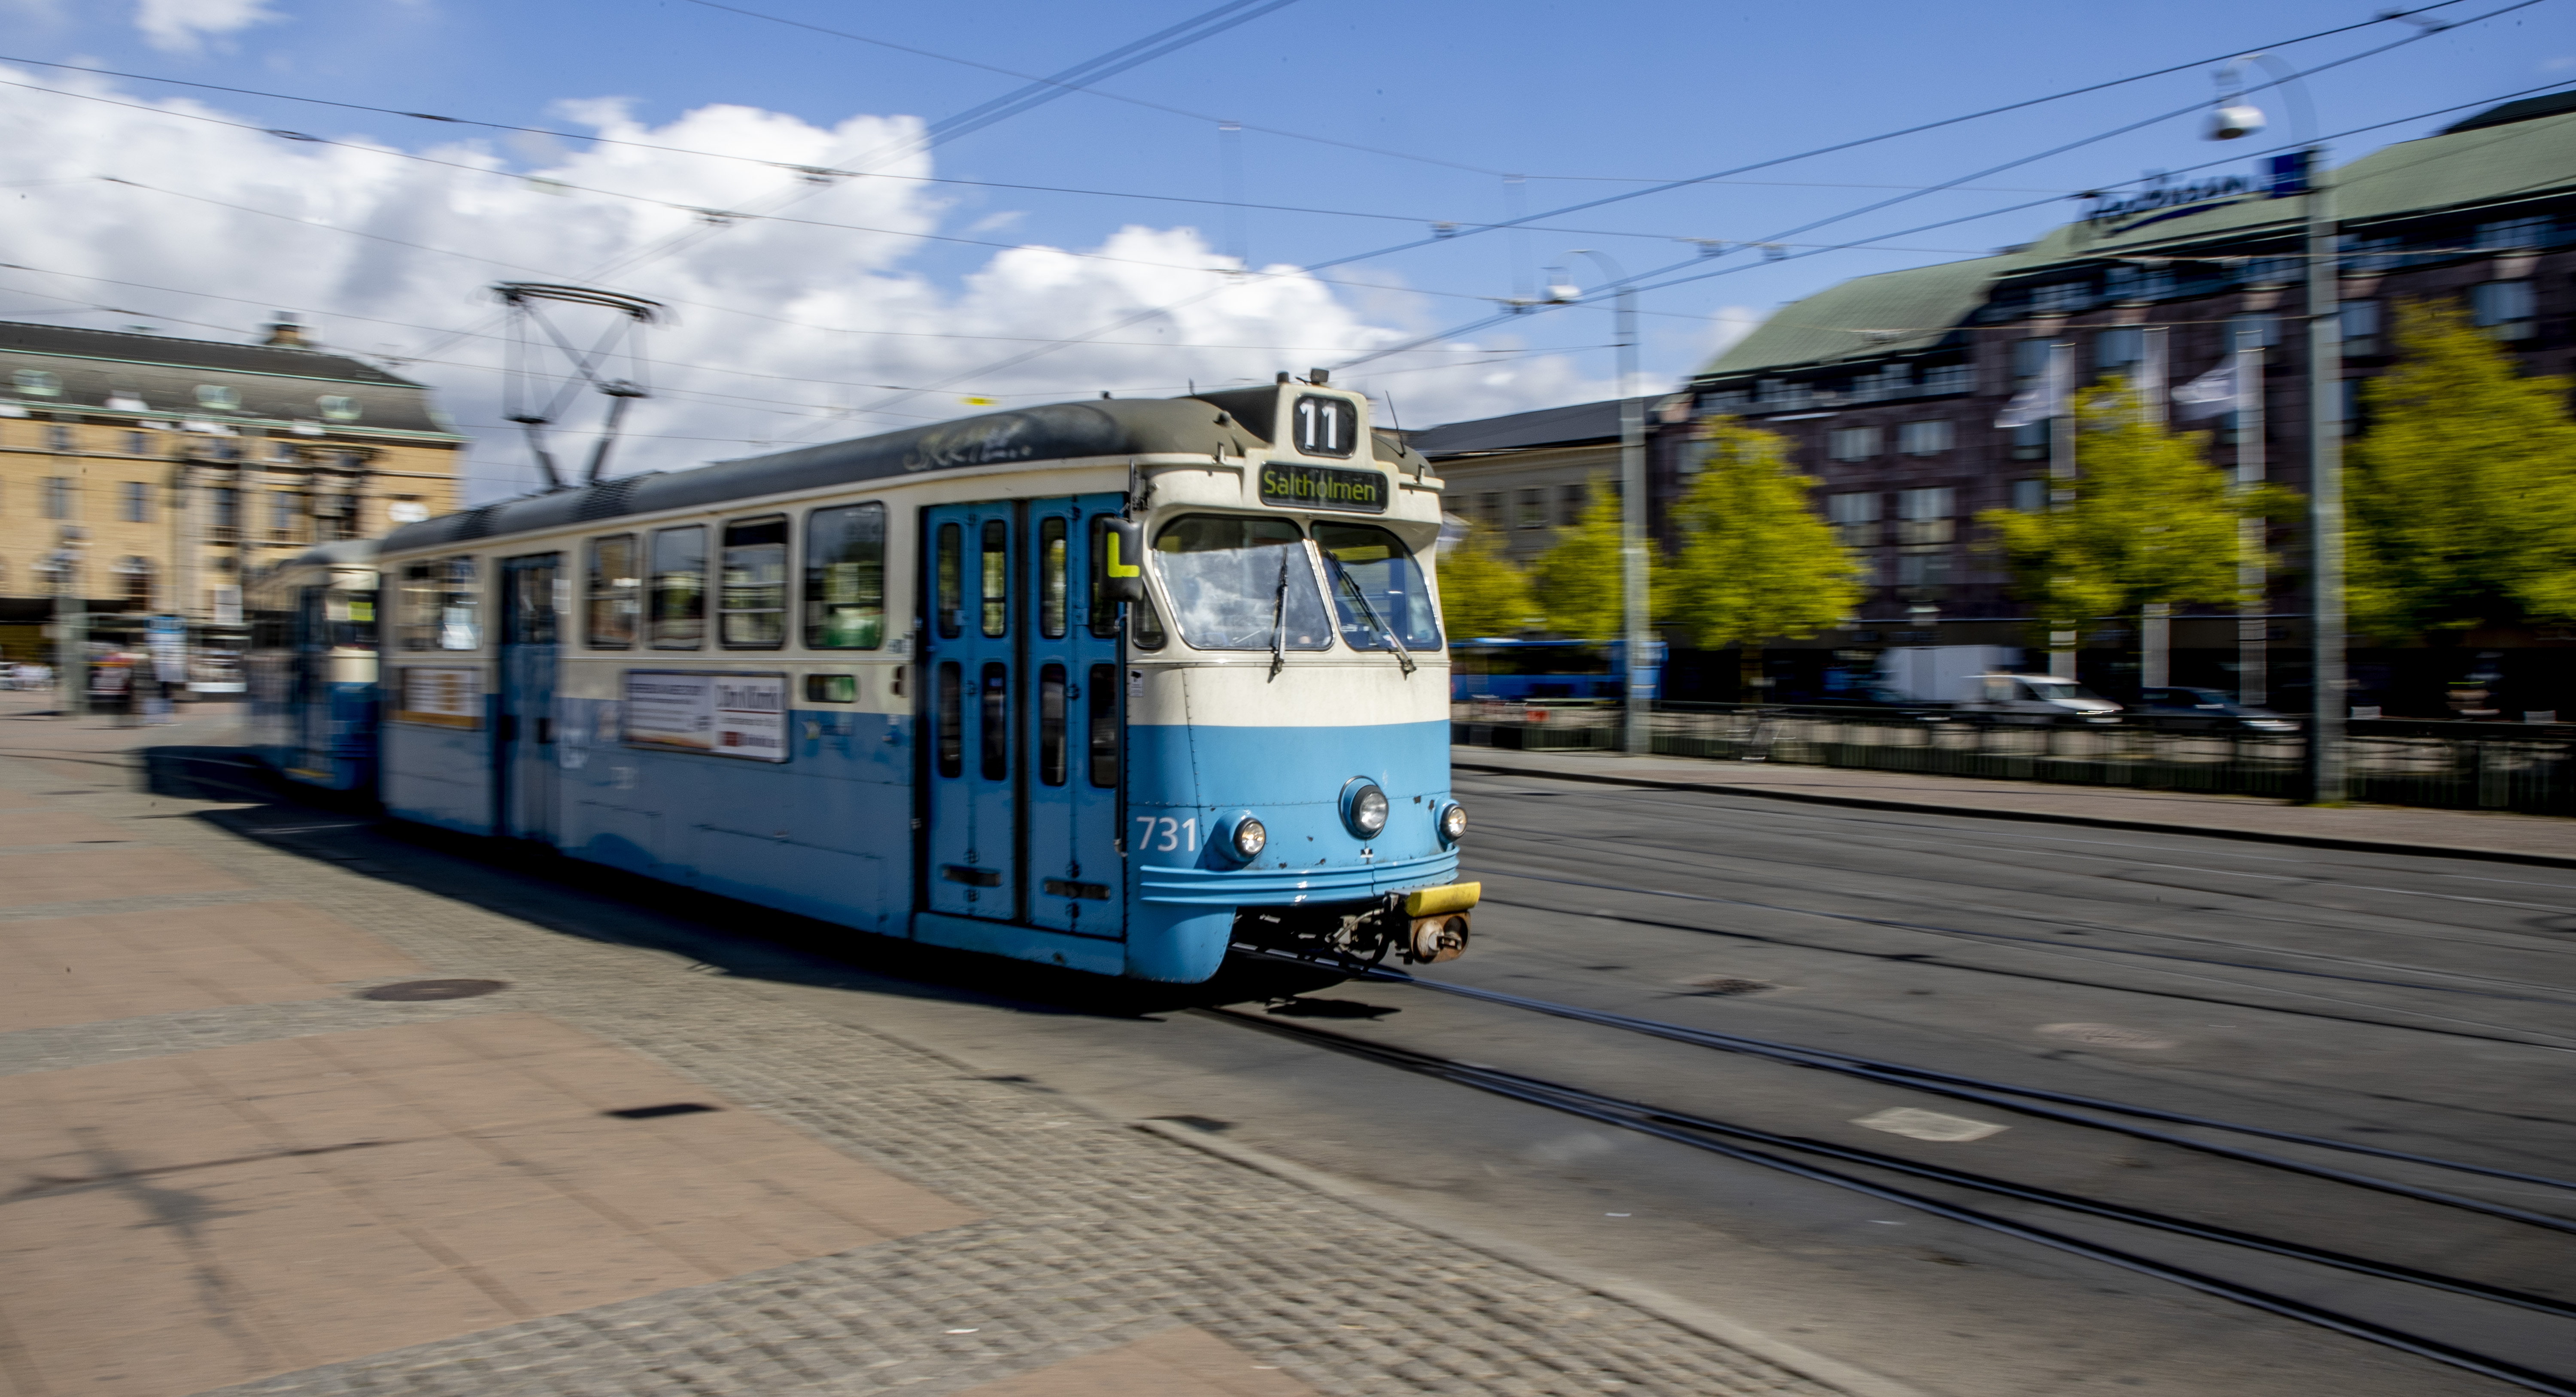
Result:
[{"x": 1432, "y": 902}]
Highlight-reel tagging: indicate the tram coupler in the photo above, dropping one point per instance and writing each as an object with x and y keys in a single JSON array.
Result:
[{"x": 1439, "y": 915}]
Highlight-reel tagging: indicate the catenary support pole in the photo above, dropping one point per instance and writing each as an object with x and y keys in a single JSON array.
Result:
[
  {"x": 1632, "y": 534},
  {"x": 2328, "y": 693},
  {"x": 2061, "y": 482},
  {"x": 2253, "y": 629}
]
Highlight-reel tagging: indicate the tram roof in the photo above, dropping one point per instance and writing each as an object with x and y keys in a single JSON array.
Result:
[{"x": 1058, "y": 431}]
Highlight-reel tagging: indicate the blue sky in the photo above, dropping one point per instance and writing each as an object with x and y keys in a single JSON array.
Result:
[{"x": 1382, "y": 119}]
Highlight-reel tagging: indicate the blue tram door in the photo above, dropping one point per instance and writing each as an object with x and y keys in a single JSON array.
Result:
[
  {"x": 1073, "y": 724},
  {"x": 1023, "y": 819},
  {"x": 308, "y": 690},
  {"x": 523, "y": 747}
]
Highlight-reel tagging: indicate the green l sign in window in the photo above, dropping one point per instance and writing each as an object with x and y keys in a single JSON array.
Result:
[{"x": 1322, "y": 487}]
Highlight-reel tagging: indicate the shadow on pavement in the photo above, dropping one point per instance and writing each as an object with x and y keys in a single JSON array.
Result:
[{"x": 535, "y": 884}]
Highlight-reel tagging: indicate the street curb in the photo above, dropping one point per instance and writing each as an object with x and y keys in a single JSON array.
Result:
[
  {"x": 1707, "y": 1323},
  {"x": 2312, "y": 841}
]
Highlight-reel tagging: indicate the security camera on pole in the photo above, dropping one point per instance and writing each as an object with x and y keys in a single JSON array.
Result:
[{"x": 2235, "y": 118}]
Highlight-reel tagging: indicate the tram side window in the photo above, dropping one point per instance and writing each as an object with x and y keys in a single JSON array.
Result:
[
  {"x": 680, "y": 588},
  {"x": 1103, "y": 697},
  {"x": 996, "y": 693},
  {"x": 438, "y": 606},
  {"x": 996, "y": 594},
  {"x": 1053, "y": 592},
  {"x": 1147, "y": 623},
  {"x": 845, "y": 577},
  {"x": 951, "y": 581},
  {"x": 616, "y": 593},
  {"x": 1051, "y": 715},
  {"x": 754, "y": 599},
  {"x": 951, "y": 718},
  {"x": 1377, "y": 588}
]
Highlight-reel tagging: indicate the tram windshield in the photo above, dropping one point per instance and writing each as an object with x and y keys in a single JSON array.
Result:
[
  {"x": 1238, "y": 582},
  {"x": 1377, "y": 587}
]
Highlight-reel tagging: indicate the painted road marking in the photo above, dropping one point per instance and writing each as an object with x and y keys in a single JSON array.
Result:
[{"x": 1929, "y": 1125}]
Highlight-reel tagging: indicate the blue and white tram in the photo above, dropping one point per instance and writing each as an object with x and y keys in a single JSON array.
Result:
[
  {"x": 312, "y": 677},
  {"x": 1111, "y": 685}
]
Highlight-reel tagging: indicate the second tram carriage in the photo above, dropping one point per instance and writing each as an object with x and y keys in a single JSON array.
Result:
[{"x": 1111, "y": 685}]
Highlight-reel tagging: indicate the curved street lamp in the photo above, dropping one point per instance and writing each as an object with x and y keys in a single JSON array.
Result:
[
  {"x": 1635, "y": 621},
  {"x": 2233, "y": 118}
]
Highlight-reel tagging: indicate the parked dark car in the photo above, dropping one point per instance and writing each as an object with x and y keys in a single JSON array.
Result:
[{"x": 2204, "y": 710}]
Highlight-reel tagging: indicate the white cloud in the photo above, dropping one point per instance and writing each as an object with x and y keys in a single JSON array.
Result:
[
  {"x": 780, "y": 329},
  {"x": 183, "y": 26}
]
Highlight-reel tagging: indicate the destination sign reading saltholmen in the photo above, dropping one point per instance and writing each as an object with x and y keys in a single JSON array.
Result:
[{"x": 1322, "y": 487}]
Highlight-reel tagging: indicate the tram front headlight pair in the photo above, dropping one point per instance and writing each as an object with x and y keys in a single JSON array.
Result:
[{"x": 1364, "y": 808}]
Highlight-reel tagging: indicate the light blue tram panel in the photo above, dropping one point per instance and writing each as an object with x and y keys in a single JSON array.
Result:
[
  {"x": 313, "y": 666},
  {"x": 1118, "y": 686}
]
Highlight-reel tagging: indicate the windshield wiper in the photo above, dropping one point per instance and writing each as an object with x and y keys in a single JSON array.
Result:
[
  {"x": 1351, "y": 585},
  {"x": 1279, "y": 619}
]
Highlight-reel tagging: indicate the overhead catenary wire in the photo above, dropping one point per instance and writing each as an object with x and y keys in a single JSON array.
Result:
[
  {"x": 1643, "y": 281},
  {"x": 1854, "y": 143}
]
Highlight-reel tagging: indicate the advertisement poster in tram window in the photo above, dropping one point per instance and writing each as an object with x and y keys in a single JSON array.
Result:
[
  {"x": 726, "y": 715},
  {"x": 441, "y": 696}
]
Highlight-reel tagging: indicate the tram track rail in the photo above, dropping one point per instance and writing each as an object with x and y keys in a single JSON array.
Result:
[
  {"x": 1913, "y": 838},
  {"x": 1798, "y": 1156},
  {"x": 1792, "y": 1154}
]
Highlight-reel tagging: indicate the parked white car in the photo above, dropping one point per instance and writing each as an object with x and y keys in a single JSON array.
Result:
[{"x": 2036, "y": 698}]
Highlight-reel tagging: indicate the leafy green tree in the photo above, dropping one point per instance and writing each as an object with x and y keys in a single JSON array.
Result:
[
  {"x": 1579, "y": 581},
  {"x": 1756, "y": 561},
  {"x": 1481, "y": 593},
  {"x": 2151, "y": 521},
  {"x": 2462, "y": 494}
]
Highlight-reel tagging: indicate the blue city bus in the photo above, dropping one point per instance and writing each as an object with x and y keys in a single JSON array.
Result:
[
  {"x": 312, "y": 666},
  {"x": 1518, "y": 670},
  {"x": 1121, "y": 686}
]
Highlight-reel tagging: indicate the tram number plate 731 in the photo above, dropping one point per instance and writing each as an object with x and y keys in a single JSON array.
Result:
[{"x": 1172, "y": 834}]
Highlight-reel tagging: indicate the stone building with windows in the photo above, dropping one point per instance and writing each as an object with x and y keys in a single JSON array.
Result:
[
  {"x": 1889, "y": 386},
  {"x": 1520, "y": 478},
  {"x": 147, "y": 473}
]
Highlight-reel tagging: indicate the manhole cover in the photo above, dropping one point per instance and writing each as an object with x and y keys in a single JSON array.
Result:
[
  {"x": 413, "y": 991},
  {"x": 2103, "y": 1035},
  {"x": 1727, "y": 984}
]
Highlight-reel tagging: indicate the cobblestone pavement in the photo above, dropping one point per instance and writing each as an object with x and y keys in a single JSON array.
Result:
[{"x": 1093, "y": 1239}]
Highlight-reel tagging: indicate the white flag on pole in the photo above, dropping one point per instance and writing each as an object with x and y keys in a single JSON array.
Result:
[
  {"x": 2044, "y": 399},
  {"x": 2210, "y": 394}
]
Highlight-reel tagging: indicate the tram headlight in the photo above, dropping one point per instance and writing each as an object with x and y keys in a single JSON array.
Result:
[
  {"x": 1250, "y": 838},
  {"x": 1364, "y": 807},
  {"x": 1453, "y": 822}
]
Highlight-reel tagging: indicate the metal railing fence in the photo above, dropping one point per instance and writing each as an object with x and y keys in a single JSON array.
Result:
[{"x": 2441, "y": 766}]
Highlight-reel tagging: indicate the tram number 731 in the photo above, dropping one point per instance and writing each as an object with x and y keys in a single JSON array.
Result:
[{"x": 1177, "y": 835}]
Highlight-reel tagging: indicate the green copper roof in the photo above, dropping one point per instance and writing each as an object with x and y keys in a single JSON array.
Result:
[
  {"x": 1880, "y": 314},
  {"x": 1912, "y": 309}
]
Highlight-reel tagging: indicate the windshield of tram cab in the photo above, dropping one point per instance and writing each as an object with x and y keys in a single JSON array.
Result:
[
  {"x": 1377, "y": 587},
  {"x": 1235, "y": 582}
]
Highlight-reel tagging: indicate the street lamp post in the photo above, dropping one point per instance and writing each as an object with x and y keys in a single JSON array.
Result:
[
  {"x": 2326, "y": 781},
  {"x": 1636, "y": 620},
  {"x": 71, "y": 623}
]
